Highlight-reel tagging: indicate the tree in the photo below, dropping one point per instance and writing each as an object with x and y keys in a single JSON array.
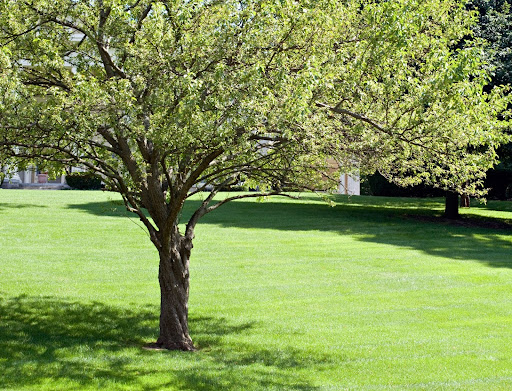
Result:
[
  {"x": 494, "y": 21},
  {"x": 166, "y": 99},
  {"x": 495, "y": 26}
]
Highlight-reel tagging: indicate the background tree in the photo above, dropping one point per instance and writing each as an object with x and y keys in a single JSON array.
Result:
[
  {"x": 6, "y": 87},
  {"x": 495, "y": 26},
  {"x": 393, "y": 94},
  {"x": 165, "y": 99}
]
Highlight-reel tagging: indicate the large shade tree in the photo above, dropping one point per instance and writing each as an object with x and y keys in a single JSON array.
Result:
[
  {"x": 495, "y": 26},
  {"x": 167, "y": 99}
]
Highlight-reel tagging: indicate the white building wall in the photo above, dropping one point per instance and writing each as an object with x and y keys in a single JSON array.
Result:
[{"x": 350, "y": 184}]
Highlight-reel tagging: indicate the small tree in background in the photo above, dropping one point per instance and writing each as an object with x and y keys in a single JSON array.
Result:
[
  {"x": 165, "y": 99},
  {"x": 495, "y": 26}
]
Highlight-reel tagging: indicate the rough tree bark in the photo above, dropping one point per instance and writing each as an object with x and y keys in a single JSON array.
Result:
[{"x": 173, "y": 276}]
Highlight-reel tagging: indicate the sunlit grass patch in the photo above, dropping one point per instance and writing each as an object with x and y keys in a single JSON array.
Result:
[{"x": 285, "y": 295}]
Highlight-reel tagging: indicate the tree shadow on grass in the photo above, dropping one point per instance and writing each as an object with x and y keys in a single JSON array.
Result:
[
  {"x": 405, "y": 223},
  {"x": 406, "y": 226},
  {"x": 45, "y": 339},
  {"x": 5, "y": 205}
]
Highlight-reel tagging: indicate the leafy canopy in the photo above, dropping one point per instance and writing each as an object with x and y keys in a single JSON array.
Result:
[
  {"x": 165, "y": 97},
  {"x": 495, "y": 26}
]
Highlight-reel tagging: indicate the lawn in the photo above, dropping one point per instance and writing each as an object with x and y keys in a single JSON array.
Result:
[{"x": 373, "y": 294}]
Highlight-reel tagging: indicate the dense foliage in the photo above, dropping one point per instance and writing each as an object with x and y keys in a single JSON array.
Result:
[
  {"x": 245, "y": 77},
  {"x": 495, "y": 26},
  {"x": 83, "y": 181}
]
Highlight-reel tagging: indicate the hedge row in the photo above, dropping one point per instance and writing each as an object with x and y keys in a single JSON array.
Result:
[{"x": 83, "y": 181}]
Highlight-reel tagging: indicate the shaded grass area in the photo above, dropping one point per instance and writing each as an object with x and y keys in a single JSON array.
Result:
[
  {"x": 35, "y": 331},
  {"x": 286, "y": 295},
  {"x": 82, "y": 345}
]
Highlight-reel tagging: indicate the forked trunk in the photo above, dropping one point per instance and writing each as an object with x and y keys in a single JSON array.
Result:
[{"x": 174, "y": 289}]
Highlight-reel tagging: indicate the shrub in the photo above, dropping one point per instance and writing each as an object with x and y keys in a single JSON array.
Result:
[
  {"x": 499, "y": 182},
  {"x": 377, "y": 185},
  {"x": 83, "y": 181}
]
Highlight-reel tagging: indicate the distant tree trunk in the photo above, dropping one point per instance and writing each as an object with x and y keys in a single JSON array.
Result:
[
  {"x": 174, "y": 290},
  {"x": 451, "y": 209},
  {"x": 464, "y": 201}
]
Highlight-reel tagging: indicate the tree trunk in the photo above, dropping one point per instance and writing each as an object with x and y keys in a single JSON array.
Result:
[
  {"x": 174, "y": 290},
  {"x": 464, "y": 201},
  {"x": 451, "y": 210}
]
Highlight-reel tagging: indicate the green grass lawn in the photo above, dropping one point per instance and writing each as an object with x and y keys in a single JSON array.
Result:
[{"x": 373, "y": 294}]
